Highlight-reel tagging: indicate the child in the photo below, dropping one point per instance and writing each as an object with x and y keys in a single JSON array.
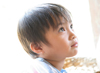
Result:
[{"x": 46, "y": 33}]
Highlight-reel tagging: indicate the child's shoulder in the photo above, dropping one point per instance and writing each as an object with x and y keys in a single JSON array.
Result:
[
  {"x": 40, "y": 65},
  {"x": 29, "y": 69}
]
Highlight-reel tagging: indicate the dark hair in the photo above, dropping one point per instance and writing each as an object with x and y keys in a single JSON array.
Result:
[{"x": 34, "y": 24}]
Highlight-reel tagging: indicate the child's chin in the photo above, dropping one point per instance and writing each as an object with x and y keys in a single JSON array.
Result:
[{"x": 75, "y": 53}]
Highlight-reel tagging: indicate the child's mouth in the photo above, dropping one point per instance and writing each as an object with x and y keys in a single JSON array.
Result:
[{"x": 75, "y": 44}]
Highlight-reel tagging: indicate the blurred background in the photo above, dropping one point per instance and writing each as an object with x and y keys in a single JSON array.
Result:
[{"x": 86, "y": 20}]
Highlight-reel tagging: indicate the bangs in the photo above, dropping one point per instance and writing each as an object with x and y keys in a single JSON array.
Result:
[{"x": 49, "y": 15}]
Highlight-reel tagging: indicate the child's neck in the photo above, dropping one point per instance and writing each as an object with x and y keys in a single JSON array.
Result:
[{"x": 57, "y": 64}]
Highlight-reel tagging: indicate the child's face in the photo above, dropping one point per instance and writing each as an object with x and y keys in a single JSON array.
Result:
[{"x": 63, "y": 42}]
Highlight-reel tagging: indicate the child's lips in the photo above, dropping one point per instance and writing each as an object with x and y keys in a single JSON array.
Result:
[{"x": 75, "y": 44}]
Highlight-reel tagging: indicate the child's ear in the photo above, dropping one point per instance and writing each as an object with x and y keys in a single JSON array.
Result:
[{"x": 36, "y": 48}]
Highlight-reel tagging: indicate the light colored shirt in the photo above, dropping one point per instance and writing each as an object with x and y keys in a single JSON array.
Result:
[{"x": 40, "y": 65}]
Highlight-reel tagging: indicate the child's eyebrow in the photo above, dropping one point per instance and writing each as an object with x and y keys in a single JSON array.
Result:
[
  {"x": 58, "y": 25},
  {"x": 61, "y": 23}
]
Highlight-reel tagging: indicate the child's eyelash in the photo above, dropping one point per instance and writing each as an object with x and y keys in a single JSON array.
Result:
[
  {"x": 61, "y": 29},
  {"x": 71, "y": 26}
]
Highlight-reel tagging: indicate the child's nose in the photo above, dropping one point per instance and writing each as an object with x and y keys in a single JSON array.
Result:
[{"x": 72, "y": 35}]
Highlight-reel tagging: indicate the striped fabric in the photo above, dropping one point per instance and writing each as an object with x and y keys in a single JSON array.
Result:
[{"x": 42, "y": 66}]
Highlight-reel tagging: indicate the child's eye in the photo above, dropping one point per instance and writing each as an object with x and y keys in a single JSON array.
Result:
[
  {"x": 61, "y": 29},
  {"x": 71, "y": 26}
]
